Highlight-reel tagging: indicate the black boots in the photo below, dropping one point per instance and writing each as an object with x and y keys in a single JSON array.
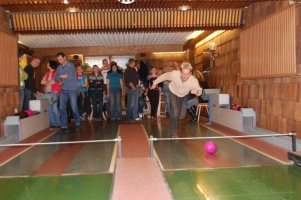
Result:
[{"x": 193, "y": 115}]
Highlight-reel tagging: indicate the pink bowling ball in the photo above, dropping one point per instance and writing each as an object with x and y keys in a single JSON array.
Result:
[
  {"x": 29, "y": 112},
  {"x": 210, "y": 147}
]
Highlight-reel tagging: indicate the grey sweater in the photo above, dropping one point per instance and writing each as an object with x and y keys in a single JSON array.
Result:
[{"x": 69, "y": 83}]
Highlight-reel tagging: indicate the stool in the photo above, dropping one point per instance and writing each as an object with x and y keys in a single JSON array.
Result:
[{"x": 199, "y": 109}]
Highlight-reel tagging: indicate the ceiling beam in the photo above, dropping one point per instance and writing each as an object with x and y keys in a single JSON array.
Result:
[
  {"x": 191, "y": 43},
  {"x": 126, "y": 21}
]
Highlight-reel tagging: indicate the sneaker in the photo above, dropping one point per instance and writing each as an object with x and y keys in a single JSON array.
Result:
[
  {"x": 52, "y": 128},
  {"x": 138, "y": 119}
]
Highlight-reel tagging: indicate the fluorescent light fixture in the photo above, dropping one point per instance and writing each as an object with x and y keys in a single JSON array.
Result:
[
  {"x": 72, "y": 9},
  {"x": 194, "y": 34},
  {"x": 172, "y": 52},
  {"x": 126, "y": 1},
  {"x": 209, "y": 37},
  {"x": 184, "y": 7}
]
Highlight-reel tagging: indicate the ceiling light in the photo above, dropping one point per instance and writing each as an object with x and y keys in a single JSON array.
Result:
[
  {"x": 209, "y": 37},
  {"x": 65, "y": 2},
  {"x": 184, "y": 8},
  {"x": 72, "y": 9},
  {"x": 126, "y": 1},
  {"x": 194, "y": 34}
]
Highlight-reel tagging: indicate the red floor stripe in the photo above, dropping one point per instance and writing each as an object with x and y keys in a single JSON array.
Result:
[
  {"x": 10, "y": 152},
  {"x": 60, "y": 161},
  {"x": 137, "y": 176}
]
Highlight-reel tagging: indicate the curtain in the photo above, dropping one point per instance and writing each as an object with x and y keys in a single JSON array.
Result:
[
  {"x": 95, "y": 60},
  {"x": 122, "y": 60}
]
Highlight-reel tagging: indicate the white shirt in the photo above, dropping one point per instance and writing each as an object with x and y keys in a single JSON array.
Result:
[
  {"x": 104, "y": 72},
  {"x": 177, "y": 86}
]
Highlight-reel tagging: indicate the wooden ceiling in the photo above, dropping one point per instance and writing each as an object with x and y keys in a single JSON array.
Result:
[
  {"x": 126, "y": 21},
  {"x": 57, "y": 5},
  {"x": 104, "y": 39},
  {"x": 51, "y": 17}
]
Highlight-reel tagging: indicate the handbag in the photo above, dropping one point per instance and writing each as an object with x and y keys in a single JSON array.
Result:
[{"x": 56, "y": 87}]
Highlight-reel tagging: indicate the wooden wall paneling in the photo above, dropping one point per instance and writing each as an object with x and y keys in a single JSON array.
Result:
[
  {"x": 8, "y": 60},
  {"x": 271, "y": 36}
]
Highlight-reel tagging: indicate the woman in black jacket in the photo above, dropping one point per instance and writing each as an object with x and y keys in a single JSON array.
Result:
[{"x": 96, "y": 89}]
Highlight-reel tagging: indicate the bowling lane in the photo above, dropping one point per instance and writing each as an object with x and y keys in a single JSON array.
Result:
[
  {"x": 190, "y": 154},
  {"x": 71, "y": 159}
]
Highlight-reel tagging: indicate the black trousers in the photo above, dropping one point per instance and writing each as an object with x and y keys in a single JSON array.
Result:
[{"x": 153, "y": 96}]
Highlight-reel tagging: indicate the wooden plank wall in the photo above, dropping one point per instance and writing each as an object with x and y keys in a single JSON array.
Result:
[
  {"x": 9, "y": 81},
  {"x": 9, "y": 100},
  {"x": 298, "y": 38},
  {"x": 8, "y": 60},
  {"x": 277, "y": 101},
  {"x": 268, "y": 47},
  {"x": 225, "y": 73},
  {"x": 165, "y": 62}
]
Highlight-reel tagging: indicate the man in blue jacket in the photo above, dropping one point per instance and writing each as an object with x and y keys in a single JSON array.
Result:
[{"x": 66, "y": 74}]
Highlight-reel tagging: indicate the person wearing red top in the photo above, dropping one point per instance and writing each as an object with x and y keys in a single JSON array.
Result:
[{"x": 52, "y": 95}]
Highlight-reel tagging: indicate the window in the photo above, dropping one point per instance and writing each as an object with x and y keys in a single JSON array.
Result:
[
  {"x": 96, "y": 60},
  {"x": 121, "y": 60}
]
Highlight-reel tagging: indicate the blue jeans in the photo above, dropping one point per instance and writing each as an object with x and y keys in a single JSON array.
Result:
[
  {"x": 115, "y": 103},
  {"x": 97, "y": 99},
  {"x": 70, "y": 95},
  {"x": 165, "y": 90},
  {"x": 141, "y": 104},
  {"x": 22, "y": 93},
  {"x": 132, "y": 104},
  {"x": 82, "y": 103},
  {"x": 192, "y": 102},
  {"x": 178, "y": 111},
  {"x": 53, "y": 111}
]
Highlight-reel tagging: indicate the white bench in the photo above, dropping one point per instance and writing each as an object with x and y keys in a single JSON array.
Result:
[{"x": 17, "y": 129}]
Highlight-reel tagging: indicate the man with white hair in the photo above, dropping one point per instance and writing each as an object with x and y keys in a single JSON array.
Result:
[{"x": 181, "y": 84}]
